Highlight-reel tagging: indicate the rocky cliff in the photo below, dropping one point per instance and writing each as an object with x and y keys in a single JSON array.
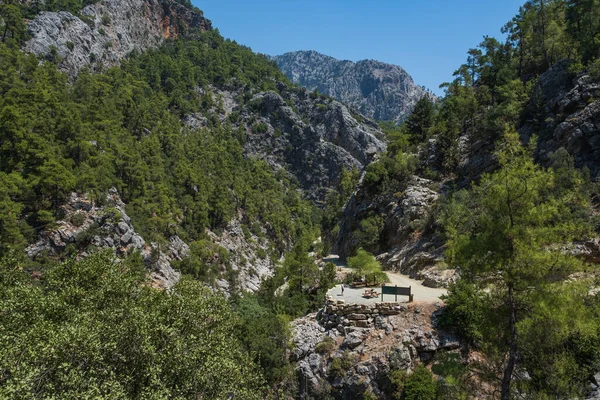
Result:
[
  {"x": 407, "y": 240},
  {"x": 107, "y": 31},
  {"x": 565, "y": 113},
  {"x": 88, "y": 226},
  {"x": 377, "y": 90},
  {"x": 313, "y": 137}
]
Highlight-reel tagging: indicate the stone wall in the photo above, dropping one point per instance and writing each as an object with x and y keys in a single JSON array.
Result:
[{"x": 338, "y": 314}]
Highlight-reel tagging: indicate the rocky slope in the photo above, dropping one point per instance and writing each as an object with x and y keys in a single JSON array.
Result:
[
  {"x": 312, "y": 137},
  {"x": 565, "y": 112},
  {"x": 407, "y": 242},
  {"x": 347, "y": 359},
  {"x": 565, "y": 115},
  {"x": 87, "y": 227},
  {"x": 377, "y": 90},
  {"x": 107, "y": 31}
]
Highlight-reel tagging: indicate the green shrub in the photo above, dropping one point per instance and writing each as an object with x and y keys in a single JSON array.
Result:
[
  {"x": 464, "y": 311},
  {"x": 77, "y": 219},
  {"x": 420, "y": 385},
  {"x": 260, "y": 127},
  {"x": 325, "y": 346},
  {"x": 397, "y": 380},
  {"x": 339, "y": 366}
]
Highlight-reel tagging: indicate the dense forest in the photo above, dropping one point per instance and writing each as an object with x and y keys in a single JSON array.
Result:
[
  {"x": 96, "y": 328},
  {"x": 123, "y": 128}
]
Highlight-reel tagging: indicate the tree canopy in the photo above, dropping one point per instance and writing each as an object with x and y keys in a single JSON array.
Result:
[
  {"x": 509, "y": 236},
  {"x": 97, "y": 329}
]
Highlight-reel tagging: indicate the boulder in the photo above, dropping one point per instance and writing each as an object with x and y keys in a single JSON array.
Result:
[{"x": 353, "y": 339}]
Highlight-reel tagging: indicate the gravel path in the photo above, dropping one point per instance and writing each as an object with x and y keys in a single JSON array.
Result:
[{"x": 420, "y": 292}]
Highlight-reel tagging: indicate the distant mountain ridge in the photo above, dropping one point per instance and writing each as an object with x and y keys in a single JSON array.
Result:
[{"x": 377, "y": 90}]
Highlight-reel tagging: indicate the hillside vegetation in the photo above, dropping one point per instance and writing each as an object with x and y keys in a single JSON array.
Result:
[
  {"x": 509, "y": 203},
  {"x": 512, "y": 201}
]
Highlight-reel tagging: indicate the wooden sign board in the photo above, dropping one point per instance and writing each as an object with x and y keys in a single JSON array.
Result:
[{"x": 395, "y": 290}]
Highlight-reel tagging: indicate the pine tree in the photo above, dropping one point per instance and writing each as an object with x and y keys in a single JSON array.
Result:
[
  {"x": 508, "y": 237},
  {"x": 420, "y": 120}
]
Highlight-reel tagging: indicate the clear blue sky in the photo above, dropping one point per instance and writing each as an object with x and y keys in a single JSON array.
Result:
[{"x": 428, "y": 38}]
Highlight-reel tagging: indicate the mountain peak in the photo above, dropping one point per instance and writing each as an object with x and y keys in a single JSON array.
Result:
[{"x": 378, "y": 90}]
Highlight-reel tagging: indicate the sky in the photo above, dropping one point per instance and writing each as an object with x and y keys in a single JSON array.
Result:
[{"x": 428, "y": 38}]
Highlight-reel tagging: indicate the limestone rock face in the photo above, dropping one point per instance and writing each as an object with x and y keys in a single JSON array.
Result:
[
  {"x": 570, "y": 112},
  {"x": 314, "y": 142},
  {"x": 377, "y": 90},
  {"x": 406, "y": 243},
  {"x": 108, "y": 31},
  {"x": 313, "y": 138},
  {"x": 248, "y": 257},
  {"x": 88, "y": 227}
]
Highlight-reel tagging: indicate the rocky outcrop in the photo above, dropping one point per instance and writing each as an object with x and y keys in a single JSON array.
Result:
[
  {"x": 107, "y": 31},
  {"x": 248, "y": 257},
  {"x": 349, "y": 362},
  {"x": 87, "y": 227},
  {"x": 565, "y": 113},
  {"x": 594, "y": 393},
  {"x": 407, "y": 243},
  {"x": 314, "y": 141},
  {"x": 377, "y": 90}
]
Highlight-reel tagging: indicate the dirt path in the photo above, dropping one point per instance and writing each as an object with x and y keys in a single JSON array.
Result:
[{"x": 420, "y": 292}]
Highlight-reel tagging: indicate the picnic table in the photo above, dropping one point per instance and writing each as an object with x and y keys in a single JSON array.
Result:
[{"x": 370, "y": 293}]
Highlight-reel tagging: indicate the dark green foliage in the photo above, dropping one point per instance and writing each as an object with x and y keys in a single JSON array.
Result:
[
  {"x": 507, "y": 235},
  {"x": 260, "y": 128},
  {"x": 420, "y": 120},
  {"x": 495, "y": 84},
  {"x": 464, "y": 311},
  {"x": 94, "y": 329},
  {"x": 368, "y": 232},
  {"x": 453, "y": 373},
  {"x": 419, "y": 385},
  {"x": 206, "y": 260},
  {"x": 334, "y": 205},
  {"x": 339, "y": 366},
  {"x": 36, "y": 6},
  {"x": 264, "y": 335},
  {"x": 12, "y": 25},
  {"x": 390, "y": 173}
]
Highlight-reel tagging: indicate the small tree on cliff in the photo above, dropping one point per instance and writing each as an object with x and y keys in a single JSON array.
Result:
[
  {"x": 508, "y": 236},
  {"x": 365, "y": 264}
]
